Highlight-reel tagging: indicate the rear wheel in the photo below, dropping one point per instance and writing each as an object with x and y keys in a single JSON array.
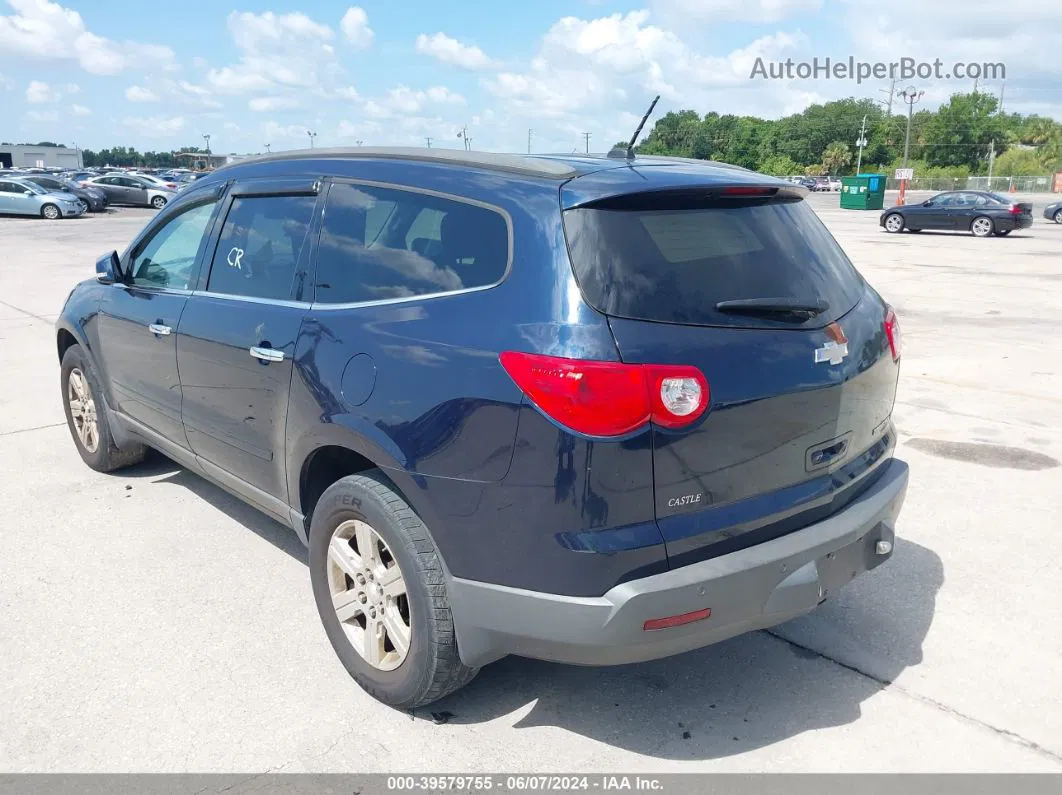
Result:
[
  {"x": 51, "y": 212},
  {"x": 894, "y": 223},
  {"x": 158, "y": 202},
  {"x": 982, "y": 226},
  {"x": 87, "y": 419},
  {"x": 380, "y": 591}
]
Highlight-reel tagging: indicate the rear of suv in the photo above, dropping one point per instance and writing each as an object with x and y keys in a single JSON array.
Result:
[{"x": 588, "y": 410}]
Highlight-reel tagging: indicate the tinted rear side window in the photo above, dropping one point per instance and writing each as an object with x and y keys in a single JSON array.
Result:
[
  {"x": 672, "y": 260},
  {"x": 382, "y": 243}
]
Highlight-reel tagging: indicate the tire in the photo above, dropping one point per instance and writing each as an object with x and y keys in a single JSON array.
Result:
[
  {"x": 51, "y": 212},
  {"x": 1058, "y": 216},
  {"x": 982, "y": 226},
  {"x": 98, "y": 450},
  {"x": 158, "y": 202},
  {"x": 431, "y": 667},
  {"x": 894, "y": 223},
  {"x": 1003, "y": 232}
]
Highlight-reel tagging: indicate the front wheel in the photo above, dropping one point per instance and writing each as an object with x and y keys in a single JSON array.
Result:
[
  {"x": 87, "y": 419},
  {"x": 51, "y": 212},
  {"x": 894, "y": 223},
  {"x": 982, "y": 226},
  {"x": 1058, "y": 216},
  {"x": 158, "y": 202},
  {"x": 381, "y": 594}
]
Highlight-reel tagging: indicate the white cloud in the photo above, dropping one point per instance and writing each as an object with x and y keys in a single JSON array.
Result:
[
  {"x": 140, "y": 94},
  {"x": 355, "y": 27},
  {"x": 80, "y": 110},
  {"x": 685, "y": 11},
  {"x": 403, "y": 101},
  {"x": 38, "y": 93},
  {"x": 451, "y": 51},
  {"x": 43, "y": 115},
  {"x": 151, "y": 126},
  {"x": 271, "y": 104},
  {"x": 72, "y": 88},
  {"x": 280, "y": 54},
  {"x": 48, "y": 31}
]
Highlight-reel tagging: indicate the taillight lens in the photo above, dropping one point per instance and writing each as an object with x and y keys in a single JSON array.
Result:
[
  {"x": 608, "y": 399},
  {"x": 1015, "y": 209},
  {"x": 892, "y": 331}
]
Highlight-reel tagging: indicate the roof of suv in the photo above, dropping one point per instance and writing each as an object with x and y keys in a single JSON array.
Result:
[{"x": 546, "y": 166}]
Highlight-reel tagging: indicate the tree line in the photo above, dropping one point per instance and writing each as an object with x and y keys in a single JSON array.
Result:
[{"x": 956, "y": 140}]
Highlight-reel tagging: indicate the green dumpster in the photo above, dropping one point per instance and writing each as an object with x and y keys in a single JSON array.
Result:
[{"x": 863, "y": 192}]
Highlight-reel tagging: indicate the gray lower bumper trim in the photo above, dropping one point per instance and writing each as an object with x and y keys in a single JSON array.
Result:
[{"x": 746, "y": 590}]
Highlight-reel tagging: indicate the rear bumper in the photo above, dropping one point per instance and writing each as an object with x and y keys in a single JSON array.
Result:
[
  {"x": 1016, "y": 222},
  {"x": 746, "y": 590}
]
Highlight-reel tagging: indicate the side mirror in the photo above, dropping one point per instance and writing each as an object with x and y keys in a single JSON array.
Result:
[
  {"x": 27, "y": 193},
  {"x": 109, "y": 268}
]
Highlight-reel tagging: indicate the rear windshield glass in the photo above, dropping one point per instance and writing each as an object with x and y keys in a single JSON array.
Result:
[{"x": 672, "y": 260}]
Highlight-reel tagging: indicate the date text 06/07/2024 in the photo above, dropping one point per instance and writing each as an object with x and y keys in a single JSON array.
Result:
[{"x": 524, "y": 783}]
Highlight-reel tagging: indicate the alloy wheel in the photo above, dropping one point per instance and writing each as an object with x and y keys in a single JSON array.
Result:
[
  {"x": 83, "y": 410},
  {"x": 894, "y": 223},
  {"x": 982, "y": 227},
  {"x": 1058, "y": 217},
  {"x": 369, "y": 595},
  {"x": 51, "y": 212}
]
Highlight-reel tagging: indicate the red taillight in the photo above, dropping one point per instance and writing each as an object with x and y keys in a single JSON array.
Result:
[
  {"x": 892, "y": 331},
  {"x": 676, "y": 621},
  {"x": 607, "y": 399}
]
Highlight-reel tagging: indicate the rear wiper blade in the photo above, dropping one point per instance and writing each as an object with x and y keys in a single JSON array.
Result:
[{"x": 774, "y": 306}]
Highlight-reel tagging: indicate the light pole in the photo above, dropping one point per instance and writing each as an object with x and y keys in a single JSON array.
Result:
[
  {"x": 311, "y": 135},
  {"x": 268, "y": 149},
  {"x": 206, "y": 138},
  {"x": 861, "y": 143},
  {"x": 586, "y": 136},
  {"x": 910, "y": 96}
]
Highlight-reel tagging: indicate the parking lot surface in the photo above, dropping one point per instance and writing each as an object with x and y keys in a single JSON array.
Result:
[{"x": 150, "y": 622}]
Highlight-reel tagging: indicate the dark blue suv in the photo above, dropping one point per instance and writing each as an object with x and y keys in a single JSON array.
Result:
[{"x": 595, "y": 410}]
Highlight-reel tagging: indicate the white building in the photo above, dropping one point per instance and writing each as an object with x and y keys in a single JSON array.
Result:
[{"x": 21, "y": 156}]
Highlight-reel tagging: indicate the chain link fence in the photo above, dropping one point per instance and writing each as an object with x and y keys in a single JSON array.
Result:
[{"x": 1041, "y": 184}]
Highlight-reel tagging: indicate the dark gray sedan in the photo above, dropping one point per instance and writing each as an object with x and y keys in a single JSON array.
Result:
[
  {"x": 94, "y": 198},
  {"x": 979, "y": 212},
  {"x": 129, "y": 189}
]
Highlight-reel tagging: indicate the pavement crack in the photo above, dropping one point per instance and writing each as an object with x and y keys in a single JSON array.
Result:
[
  {"x": 1006, "y": 734},
  {"x": 35, "y": 428},
  {"x": 27, "y": 313}
]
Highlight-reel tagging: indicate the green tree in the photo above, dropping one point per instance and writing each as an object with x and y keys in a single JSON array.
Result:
[
  {"x": 963, "y": 129},
  {"x": 780, "y": 166},
  {"x": 836, "y": 157}
]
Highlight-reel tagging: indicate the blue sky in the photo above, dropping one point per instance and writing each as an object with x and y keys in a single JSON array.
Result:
[{"x": 251, "y": 72}]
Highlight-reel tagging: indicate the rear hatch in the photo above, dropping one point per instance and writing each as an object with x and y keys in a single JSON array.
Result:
[{"x": 747, "y": 285}]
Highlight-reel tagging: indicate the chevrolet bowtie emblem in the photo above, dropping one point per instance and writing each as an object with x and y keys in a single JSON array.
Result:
[{"x": 835, "y": 349}]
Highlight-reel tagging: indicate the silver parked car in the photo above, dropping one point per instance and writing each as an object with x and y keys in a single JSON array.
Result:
[
  {"x": 132, "y": 189},
  {"x": 21, "y": 197}
]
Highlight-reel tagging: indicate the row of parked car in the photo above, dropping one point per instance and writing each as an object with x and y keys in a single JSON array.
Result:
[
  {"x": 70, "y": 194},
  {"x": 817, "y": 184}
]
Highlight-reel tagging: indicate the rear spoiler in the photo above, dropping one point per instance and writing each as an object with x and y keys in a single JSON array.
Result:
[{"x": 688, "y": 196}]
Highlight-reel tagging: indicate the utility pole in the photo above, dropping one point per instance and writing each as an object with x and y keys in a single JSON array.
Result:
[
  {"x": 991, "y": 162},
  {"x": 463, "y": 135},
  {"x": 586, "y": 136},
  {"x": 1002, "y": 90},
  {"x": 529, "y": 140},
  {"x": 429, "y": 142},
  {"x": 861, "y": 143},
  {"x": 910, "y": 96},
  {"x": 892, "y": 93},
  {"x": 975, "y": 84},
  {"x": 311, "y": 135}
]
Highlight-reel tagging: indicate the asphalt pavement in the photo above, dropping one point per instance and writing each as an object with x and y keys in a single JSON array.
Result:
[{"x": 149, "y": 622}]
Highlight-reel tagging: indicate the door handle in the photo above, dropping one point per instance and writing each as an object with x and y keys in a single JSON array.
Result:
[
  {"x": 159, "y": 329},
  {"x": 267, "y": 354}
]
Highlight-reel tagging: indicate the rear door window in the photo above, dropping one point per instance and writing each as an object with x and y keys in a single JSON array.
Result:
[
  {"x": 383, "y": 243},
  {"x": 672, "y": 259},
  {"x": 258, "y": 252}
]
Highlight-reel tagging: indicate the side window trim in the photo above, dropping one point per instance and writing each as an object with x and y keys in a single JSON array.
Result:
[
  {"x": 259, "y": 188},
  {"x": 322, "y": 207},
  {"x": 189, "y": 202}
]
